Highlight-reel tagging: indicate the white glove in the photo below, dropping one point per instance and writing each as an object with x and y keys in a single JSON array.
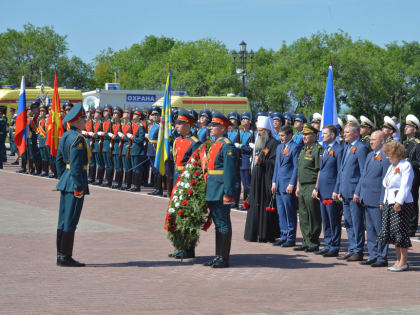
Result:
[
  {"x": 100, "y": 133},
  {"x": 80, "y": 196},
  {"x": 90, "y": 133},
  {"x": 110, "y": 134},
  {"x": 252, "y": 145},
  {"x": 146, "y": 135},
  {"x": 238, "y": 145},
  {"x": 129, "y": 135},
  {"x": 120, "y": 134},
  {"x": 84, "y": 132}
]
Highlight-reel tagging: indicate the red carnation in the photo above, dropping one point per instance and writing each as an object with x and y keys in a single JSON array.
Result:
[
  {"x": 184, "y": 202},
  {"x": 246, "y": 204},
  {"x": 197, "y": 173},
  {"x": 171, "y": 229},
  {"x": 180, "y": 213},
  {"x": 193, "y": 182},
  {"x": 324, "y": 202},
  {"x": 195, "y": 156},
  {"x": 195, "y": 163},
  {"x": 190, "y": 192},
  {"x": 330, "y": 202},
  {"x": 268, "y": 209}
]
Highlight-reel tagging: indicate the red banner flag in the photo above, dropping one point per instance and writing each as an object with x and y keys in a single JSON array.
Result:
[{"x": 55, "y": 124}]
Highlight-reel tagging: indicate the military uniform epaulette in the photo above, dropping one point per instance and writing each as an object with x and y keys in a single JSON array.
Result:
[
  {"x": 226, "y": 140},
  {"x": 194, "y": 138}
]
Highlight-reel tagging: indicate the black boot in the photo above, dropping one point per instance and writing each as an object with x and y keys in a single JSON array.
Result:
[
  {"x": 23, "y": 167},
  {"x": 155, "y": 186},
  {"x": 59, "y": 252},
  {"x": 118, "y": 180},
  {"x": 218, "y": 252},
  {"x": 66, "y": 259},
  {"x": 99, "y": 177},
  {"x": 108, "y": 178},
  {"x": 159, "y": 189},
  {"x": 127, "y": 180},
  {"x": 31, "y": 167},
  {"x": 38, "y": 167},
  {"x": 136, "y": 182},
  {"x": 91, "y": 174},
  {"x": 53, "y": 170},
  {"x": 44, "y": 169},
  {"x": 225, "y": 242}
]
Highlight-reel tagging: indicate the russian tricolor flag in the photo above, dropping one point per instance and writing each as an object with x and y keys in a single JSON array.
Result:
[
  {"x": 20, "y": 132},
  {"x": 329, "y": 111}
]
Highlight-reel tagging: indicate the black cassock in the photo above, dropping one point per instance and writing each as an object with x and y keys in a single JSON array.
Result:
[{"x": 261, "y": 225}]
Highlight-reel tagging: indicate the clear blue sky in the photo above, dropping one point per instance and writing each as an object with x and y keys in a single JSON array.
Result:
[{"x": 92, "y": 25}]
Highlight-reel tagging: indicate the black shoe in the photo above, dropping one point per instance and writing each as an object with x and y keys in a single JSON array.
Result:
[
  {"x": 68, "y": 261},
  {"x": 345, "y": 257},
  {"x": 331, "y": 254},
  {"x": 300, "y": 248},
  {"x": 322, "y": 251},
  {"x": 14, "y": 163},
  {"x": 288, "y": 244},
  {"x": 380, "y": 264},
  {"x": 221, "y": 263},
  {"x": 279, "y": 242},
  {"x": 311, "y": 249},
  {"x": 152, "y": 193},
  {"x": 368, "y": 262},
  {"x": 22, "y": 171}
]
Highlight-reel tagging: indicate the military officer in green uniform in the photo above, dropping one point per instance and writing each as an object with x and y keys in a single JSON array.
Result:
[
  {"x": 221, "y": 191},
  {"x": 309, "y": 208},
  {"x": 3, "y": 133},
  {"x": 388, "y": 128},
  {"x": 72, "y": 160}
]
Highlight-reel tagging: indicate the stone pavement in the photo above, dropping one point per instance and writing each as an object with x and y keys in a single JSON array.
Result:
[{"x": 121, "y": 238}]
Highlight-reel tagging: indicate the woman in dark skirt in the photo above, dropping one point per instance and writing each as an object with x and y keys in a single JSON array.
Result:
[{"x": 398, "y": 203}]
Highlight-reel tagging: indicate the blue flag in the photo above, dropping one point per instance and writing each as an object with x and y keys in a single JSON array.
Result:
[
  {"x": 329, "y": 111},
  {"x": 165, "y": 130}
]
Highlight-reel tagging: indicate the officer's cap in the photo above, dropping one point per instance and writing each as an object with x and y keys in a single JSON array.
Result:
[
  {"x": 278, "y": 116},
  {"x": 127, "y": 110},
  {"x": 301, "y": 118},
  {"x": 184, "y": 116},
  {"x": 34, "y": 105},
  {"x": 194, "y": 114},
  {"x": 246, "y": 115},
  {"x": 219, "y": 119},
  {"x": 75, "y": 113},
  {"x": 156, "y": 110},
  {"x": 92, "y": 109},
  {"x": 138, "y": 111},
  {"x": 43, "y": 107},
  {"x": 233, "y": 115},
  {"x": 366, "y": 122},
  {"x": 289, "y": 116},
  {"x": 316, "y": 118},
  {"x": 340, "y": 122},
  {"x": 412, "y": 120},
  {"x": 206, "y": 113},
  {"x": 108, "y": 108},
  {"x": 99, "y": 110},
  {"x": 68, "y": 104},
  {"x": 389, "y": 123},
  {"x": 351, "y": 118},
  {"x": 118, "y": 110},
  {"x": 308, "y": 129}
]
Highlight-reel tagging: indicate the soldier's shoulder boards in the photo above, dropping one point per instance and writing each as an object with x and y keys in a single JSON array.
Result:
[
  {"x": 417, "y": 140},
  {"x": 194, "y": 138},
  {"x": 226, "y": 140}
]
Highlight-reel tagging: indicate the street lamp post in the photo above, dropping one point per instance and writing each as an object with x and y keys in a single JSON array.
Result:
[{"x": 243, "y": 61}]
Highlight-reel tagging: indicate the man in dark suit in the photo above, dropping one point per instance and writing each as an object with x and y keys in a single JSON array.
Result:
[
  {"x": 326, "y": 185},
  {"x": 370, "y": 193},
  {"x": 284, "y": 186},
  {"x": 353, "y": 162}
]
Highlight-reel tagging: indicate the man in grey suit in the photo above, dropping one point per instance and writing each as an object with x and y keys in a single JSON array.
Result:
[
  {"x": 370, "y": 193},
  {"x": 353, "y": 162}
]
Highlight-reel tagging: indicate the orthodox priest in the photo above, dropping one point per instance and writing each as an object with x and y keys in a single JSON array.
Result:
[{"x": 262, "y": 218}]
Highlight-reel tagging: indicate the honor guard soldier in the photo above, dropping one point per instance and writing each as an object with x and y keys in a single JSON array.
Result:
[
  {"x": 246, "y": 136},
  {"x": 289, "y": 119},
  {"x": 309, "y": 209},
  {"x": 42, "y": 139},
  {"x": 3, "y": 133},
  {"x": 67, "y": 107},
  {"x": 220, "y": 190},
  {"x": 196, "y": 126},
  {"x": 184, "y": 146},
  {"x": 152, "y": 136},
  {"x": 72, "y": 159},
  {"x": 366, "y": 128},
  {"x": 138, "y": 149},
  {"x": 278, "y": 122},
  {"x": 125, "y": 148},
  {"x": 33, "y": 131},
  {"x": 89, "y": 133},
  {"x": 316, "y": 119},
  {"x": 234, "y": 137},
  {"x": 204, "y": 131},
  {"x": 412, "y": 148},
  {"x": 388, "y": 128},
  {"x": 115, "y": 147},
  {"x": 97, "y": 145},
  {"x": 12, "y": 128},
  {"x": 106, "y": 141},
  {"x": 300, "y": 120}
]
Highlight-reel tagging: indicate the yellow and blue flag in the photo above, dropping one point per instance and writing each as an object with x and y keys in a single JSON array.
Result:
[{"x": 163, "y": 149}]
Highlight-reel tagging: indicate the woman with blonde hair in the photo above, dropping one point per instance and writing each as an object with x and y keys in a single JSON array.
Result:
[{"x": 398, "y": 204}]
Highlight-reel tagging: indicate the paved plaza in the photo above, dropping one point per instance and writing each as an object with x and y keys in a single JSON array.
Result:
[{"x": 121, "y": 239}]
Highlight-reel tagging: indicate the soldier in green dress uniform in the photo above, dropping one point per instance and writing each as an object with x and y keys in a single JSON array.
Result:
[
  {"x": 3, "y": 133},
  {"x": 221, "y": 190},
  {"x": 309, "y": 208},
  {"x": 72, "y": 161}
]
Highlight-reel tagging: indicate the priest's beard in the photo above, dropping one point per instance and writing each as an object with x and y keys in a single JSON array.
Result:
[{"x": 261, "y": 142}]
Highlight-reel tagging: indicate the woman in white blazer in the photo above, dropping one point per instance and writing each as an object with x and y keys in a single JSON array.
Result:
[{"x": 398, "y": 204}]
